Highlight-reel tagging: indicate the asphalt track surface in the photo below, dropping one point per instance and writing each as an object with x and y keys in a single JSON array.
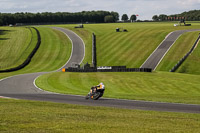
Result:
[
  {"x": 22, "y": 87},
  {"x": 156, "y": 57}
]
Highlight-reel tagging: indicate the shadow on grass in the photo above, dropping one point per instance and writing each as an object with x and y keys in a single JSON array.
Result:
[
  {"x": 3, "y": 32},
  {"x": 4, "y": 38}
]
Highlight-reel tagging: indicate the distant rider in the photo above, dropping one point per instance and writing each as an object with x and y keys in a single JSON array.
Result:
[
  {"x": 96, "y": 92},
  {"x": 100, "y": 88}
]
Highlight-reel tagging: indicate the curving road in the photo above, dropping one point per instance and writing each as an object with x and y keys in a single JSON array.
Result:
[
  {"x": 78, "y": 48},
  {"x": 23, "y": 84},
  {"x": 22, "y": 87},
  {"x": 156, "y": 57}
]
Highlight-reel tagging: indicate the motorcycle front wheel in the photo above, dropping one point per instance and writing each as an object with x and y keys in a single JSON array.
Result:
[{"x": 96, "y": 95}]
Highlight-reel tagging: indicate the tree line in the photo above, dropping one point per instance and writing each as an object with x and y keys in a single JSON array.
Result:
[
  {"x": 193, "y": 15},
  {"x": 126, "y": 18},
  {"x": 59, "y": 17}
]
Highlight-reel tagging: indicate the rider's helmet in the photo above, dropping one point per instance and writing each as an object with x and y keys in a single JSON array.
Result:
[{"x": 102, "y": 85}]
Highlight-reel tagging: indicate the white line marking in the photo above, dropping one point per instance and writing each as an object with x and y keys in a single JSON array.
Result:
[
  {"x": 72, "y": 45},
  {"x": 3, "y": 97},
  {"x": 167, "y": 52},
  {"x": 83, "y": 45},
  {"x": 34, "y": 82},
  {"x": 170, "y": 48},
  {"x": 71, "y": 49},
  {"x": 156, "y": 48}
]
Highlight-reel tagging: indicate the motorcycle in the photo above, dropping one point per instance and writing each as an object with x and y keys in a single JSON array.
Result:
[{"x": 95, "y": 93}]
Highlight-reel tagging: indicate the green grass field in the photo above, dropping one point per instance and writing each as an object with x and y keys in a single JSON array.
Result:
[
  {"x": 123, "y": 48},
  {"x": 41, "y": 117},
  {"x": 157, "y": 86},
  {"x": 53, "y": 53},
  {"x": 15, "y": 46},
  {"x": 192, "y": 64},
  {"x": 113, "y": 49}
]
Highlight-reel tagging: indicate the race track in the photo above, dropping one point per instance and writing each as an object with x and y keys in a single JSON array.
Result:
[
  {"x": 22, "y": 87},
  {"x": 156, "y": 57}
]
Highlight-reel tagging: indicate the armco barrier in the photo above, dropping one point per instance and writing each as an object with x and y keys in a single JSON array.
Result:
[
  {"x": 27, "y": 61},
  {"x": 185, "y": 57}
]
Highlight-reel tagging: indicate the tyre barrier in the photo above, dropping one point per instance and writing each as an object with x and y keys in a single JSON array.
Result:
[
  {"x": 186, "y": 56},
  {"x": 28, "y": 60},
  {"x": 113, "y": 69}
]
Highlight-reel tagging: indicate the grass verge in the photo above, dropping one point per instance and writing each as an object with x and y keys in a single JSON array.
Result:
[
  {"x": 30, "y": 116},
  {"x": 157, "y": 86}
]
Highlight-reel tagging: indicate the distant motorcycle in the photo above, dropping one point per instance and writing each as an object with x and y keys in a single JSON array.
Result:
[{"x": 95, "y": 93}]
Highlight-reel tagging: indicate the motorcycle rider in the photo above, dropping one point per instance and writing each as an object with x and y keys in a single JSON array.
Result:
[{"x": 98, "y": 88}]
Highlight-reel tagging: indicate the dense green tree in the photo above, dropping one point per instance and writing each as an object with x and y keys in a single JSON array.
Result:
[
  {"x": 124, "y": 17},
  {"x": 115, "y": 16},
  {"x": 1, "y": 22},
  {"x": 162, "y": 17},
  {"x": 133, "y": 18},
  {"x": 193, "y": 15},
  {"x": 155, "y": 18},
  {"x": 109, "y": 19},
  {"x": 58, "y": 17}
]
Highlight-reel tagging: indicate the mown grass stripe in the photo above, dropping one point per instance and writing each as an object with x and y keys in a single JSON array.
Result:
[
  {"x": 157, "y": 86},
  {"x": 30, "y": 55},
  {"x": 54, "y": 54},
  {"x": 13, "y": 46},
  {"x": 107, "y": 45},
  {"x": 114, "y": 55},
  {"x": 47, "y": 48},
  {"x": 121, "y": 49}
]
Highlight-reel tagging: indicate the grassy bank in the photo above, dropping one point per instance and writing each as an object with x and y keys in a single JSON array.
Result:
[
  {"x": 15, "y": 45},
  {"x": 159, "y": 86},
  {"x": 178, "y": 51},
  {"x": 30, "y": 116},
  {"x": 192, "y": 64},
  {"x": 123, "y": 48},
  {"x": 53, "y": 53}
]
